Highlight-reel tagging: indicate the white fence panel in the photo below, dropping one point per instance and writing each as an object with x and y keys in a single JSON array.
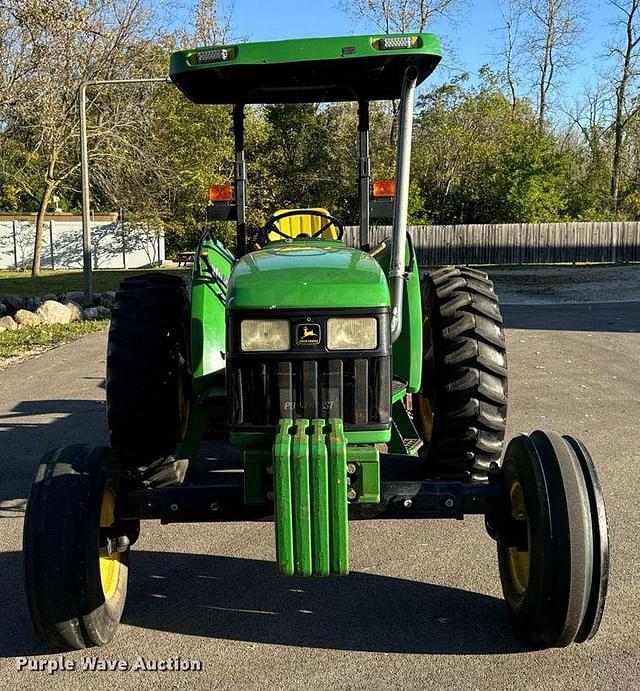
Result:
[{"x": 112, "y": 248}]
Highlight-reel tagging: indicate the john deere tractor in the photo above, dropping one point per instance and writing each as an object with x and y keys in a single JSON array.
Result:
[{"x": 353, "y": 385}]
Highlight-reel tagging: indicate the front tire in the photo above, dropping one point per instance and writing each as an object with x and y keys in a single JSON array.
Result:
[
  {"x": 76, "y": 586},
  {"x": 461, "y": 408},
  {"x": 552, "y": 542}
]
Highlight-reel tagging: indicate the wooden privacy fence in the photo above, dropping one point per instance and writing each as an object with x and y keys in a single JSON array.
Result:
[{"x": 519, "y": 243}]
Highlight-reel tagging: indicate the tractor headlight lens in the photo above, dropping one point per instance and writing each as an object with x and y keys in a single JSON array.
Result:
[
  {"x": 355, "y": 333},
  {"x": 265, "y": 335}
]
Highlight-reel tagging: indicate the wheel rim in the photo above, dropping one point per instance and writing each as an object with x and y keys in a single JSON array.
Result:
[
  {"x": 425, "y": 403},
  {"x": 519, "y": 569},
  {"x": 517, "y": 559},
  {"x": 109, "y": 565},
  {"x": 184, "y": 403},
  {"x": 183, "y": 400}
]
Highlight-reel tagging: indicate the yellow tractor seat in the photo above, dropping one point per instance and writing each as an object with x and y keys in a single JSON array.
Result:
[{"x": 303, "y": 223}]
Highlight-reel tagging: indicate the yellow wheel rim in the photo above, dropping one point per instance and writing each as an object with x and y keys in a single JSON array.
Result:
[
  {"x": 425, "y": 409},
  {"x": 518, "y": 560},
  {"x": 426, "y": 417},
  {"x": 109, "y": 566}
]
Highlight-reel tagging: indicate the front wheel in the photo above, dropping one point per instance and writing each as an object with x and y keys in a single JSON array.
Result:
[
  {"x": 76, "y": 554},
  {"x": 553, "y": 548}
]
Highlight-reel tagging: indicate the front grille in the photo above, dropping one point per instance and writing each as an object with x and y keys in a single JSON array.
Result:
[
  {"x": 309, "y": 383},
  {"x": 356, "y": 390}
]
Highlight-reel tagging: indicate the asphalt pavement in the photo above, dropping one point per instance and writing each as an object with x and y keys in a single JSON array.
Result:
[{"x": 423, "y": 606}]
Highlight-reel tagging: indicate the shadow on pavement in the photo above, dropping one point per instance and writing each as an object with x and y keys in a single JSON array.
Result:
[
  {"x": 622, "y": 317},
  {"x": 17, "y": 637},
  {"x": 245, "y": 600},
  {"x": 32, "y": 428}
]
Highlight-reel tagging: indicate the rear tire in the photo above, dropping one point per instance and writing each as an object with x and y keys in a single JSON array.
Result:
[
  {"x": 148, "y": 375},
  {"x": 75, "y": 595},
  {"x": 461, "y": 409}
]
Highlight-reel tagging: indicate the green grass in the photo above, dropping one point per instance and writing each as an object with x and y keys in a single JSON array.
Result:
[
  {"x": 17, "y": 283},
  {"x": 28, "y": 339}
]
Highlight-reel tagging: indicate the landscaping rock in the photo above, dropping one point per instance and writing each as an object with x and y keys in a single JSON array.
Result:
[
  {"x": 13, "y": 303},
  {"x": 26, "y": 318},
  {"x": 76, "y": 296},
  {"x": 108, "y": 299},
  {"x": 33, "y": 303},
  {"x": 50, "y": 297},
  {"x": 52, "y": 312},
  {"x": 3, "y": 309},
  {"x": 7, "y": 324},
  {"x": 77, "y": 313},
  {"x": 97, "y": 313}
]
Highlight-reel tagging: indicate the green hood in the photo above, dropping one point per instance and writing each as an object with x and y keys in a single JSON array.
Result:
[{"x": 307, "y": 275}]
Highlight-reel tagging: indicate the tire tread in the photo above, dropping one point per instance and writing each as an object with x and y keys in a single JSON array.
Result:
[{"x": 470, "y": 379}]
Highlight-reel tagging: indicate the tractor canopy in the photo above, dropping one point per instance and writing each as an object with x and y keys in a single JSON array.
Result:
[
  {"x": 307, "y": 275},
  {"x": 310, "y": 269},
  {"x": 309, "y": 70}
]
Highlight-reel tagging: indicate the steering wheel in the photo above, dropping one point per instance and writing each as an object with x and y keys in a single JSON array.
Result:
[{"x": 331, "y": 221}]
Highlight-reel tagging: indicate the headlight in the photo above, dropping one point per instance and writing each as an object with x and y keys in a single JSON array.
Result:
[
  {"x": 265, "y": 334},
  {"x": 357, "y": 333}
]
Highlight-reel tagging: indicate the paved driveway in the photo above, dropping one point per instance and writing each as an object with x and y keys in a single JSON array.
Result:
[{"x": 423, "y": 607}]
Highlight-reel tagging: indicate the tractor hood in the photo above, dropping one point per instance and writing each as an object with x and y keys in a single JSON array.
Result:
[{"x": 307, "y": 275}]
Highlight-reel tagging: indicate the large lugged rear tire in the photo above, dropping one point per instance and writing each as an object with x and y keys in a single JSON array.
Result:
[
  {"x": 148, "y": 375},
  {"x": 461, "y": 409},
  {"x": 76, "y": 588}
]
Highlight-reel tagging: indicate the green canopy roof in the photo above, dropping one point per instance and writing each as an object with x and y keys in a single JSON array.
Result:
[{"x": 349, "y": 68}]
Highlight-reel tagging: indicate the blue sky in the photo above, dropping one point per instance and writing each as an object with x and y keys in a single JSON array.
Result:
[{"x": 474, "y": 38}]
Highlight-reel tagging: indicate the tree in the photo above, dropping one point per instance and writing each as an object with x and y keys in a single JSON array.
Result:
[
  {"x": 551, "y": 29},
  {"x": 495, "y": 167},
  {"x": 401, "y": 16},
  {"x": 588, "y": 140},
  {"x": 212, "y": 22},
  {"x": 510, "y": 55},
  {"x": 15, "y": 63},
  {"x": 69, "y": 41},
  {"x": 626, "y": 53}
]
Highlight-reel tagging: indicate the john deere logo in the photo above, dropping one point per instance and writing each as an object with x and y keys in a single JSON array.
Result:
[{"x": 308, "y": 334}]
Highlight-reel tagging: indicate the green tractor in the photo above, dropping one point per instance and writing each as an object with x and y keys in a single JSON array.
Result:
[{"x": 354, "y": 386}]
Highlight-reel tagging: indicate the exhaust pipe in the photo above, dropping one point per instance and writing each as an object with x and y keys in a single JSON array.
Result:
[{"x": 397, "y": 275}]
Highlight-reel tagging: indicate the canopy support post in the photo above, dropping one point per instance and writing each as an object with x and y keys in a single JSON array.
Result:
[
  {"x": 365, "y": 174},
  {"x": 240, "y": 180}
]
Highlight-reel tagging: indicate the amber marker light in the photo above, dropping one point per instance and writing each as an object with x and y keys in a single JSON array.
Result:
[
  {"x": 384, "y": 188},
  {"x": 220, "y": 193}
]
